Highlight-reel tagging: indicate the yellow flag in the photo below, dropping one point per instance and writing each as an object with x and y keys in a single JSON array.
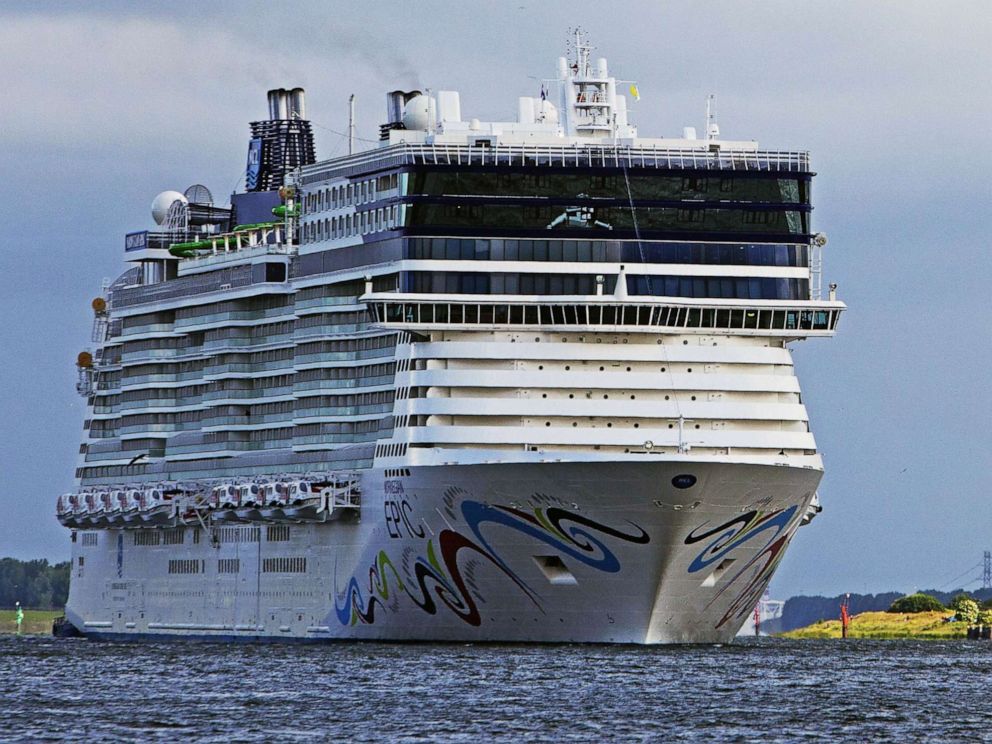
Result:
[{"x": 634, "y": 92}]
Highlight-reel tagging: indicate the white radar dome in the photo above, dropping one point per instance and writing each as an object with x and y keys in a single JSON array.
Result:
[
  {"x": 162, "y": 202},
  {"x": 416, "y": 113}
]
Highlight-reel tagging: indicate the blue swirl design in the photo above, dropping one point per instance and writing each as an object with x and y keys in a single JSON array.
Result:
[
  {"x": 733, "y": 534},
  {"x": 736, "y": 532},
  {"x": 437, "y": 577},
  {"x": 573, "y": 541}
]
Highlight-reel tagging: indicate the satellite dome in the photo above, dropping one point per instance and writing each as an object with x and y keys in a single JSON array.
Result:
[
  {"x": 416, "y": 113},
  {"x": 162, "y": 202}
]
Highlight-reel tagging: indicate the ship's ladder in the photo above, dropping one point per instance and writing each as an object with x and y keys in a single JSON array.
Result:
[{"x": 815, "y": 271}]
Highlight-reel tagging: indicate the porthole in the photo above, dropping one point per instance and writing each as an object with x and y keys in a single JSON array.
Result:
[
  {"x": 663, "y": 369},
  {"x": 637, "y": 426},
  {"x": 671, "y": 426},
  {"x": 605, "y": 396},
  {"x": 658, "y": 342},
  {"x": 540, "y": 366},
  {"x": 690, "y": 369},
  {"x": 667, "y": 397},
  {"x": 609, "y": 425},
  {"x": 547, "y": 423},
  {"x": 693, "y": 397},
  {"x": 602, "y": 369},
  {"x": 697, "y": 426},
  {"x": 633, "y": 397},
  {"x": 544, "y": 395},
  {"x": 575, "y": 424},
  {"x": 685, "y": 343},
  {"x": 571, "y": 395},
  {"x": 567, "y": 368}
]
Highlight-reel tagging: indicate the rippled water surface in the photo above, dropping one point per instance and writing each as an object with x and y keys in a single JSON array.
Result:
[{"x": 772, "y": 690}]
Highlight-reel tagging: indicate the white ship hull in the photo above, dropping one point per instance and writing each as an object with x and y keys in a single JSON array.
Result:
[{"x": 607, "y": 551}]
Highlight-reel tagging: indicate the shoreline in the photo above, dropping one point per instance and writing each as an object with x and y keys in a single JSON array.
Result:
[
  {"x": 887, "y": 625},
  {"x": 36, "y": 622}
]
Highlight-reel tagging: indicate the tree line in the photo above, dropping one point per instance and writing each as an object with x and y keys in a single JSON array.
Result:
[
  {"x": 36, "y": 584},
  {"x": 802, "y": 611}
]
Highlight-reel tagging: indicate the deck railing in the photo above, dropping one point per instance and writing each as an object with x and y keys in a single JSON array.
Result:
[
  {"x": 740, "y": 317},
  {"x": 564, "y": 156}
]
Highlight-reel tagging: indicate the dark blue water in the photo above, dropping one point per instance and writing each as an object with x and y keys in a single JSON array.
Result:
[{"x": 772, "y": 690}]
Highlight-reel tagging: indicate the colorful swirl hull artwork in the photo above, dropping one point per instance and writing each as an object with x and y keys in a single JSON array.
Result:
[
  {"x": 775, "y": 527},
  {"x": 435, "y": 579}
]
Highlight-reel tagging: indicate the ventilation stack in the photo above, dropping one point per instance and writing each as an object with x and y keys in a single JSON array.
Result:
[
  {"x": 396, "y": 102},
  {"x": 280, "y": 144}
]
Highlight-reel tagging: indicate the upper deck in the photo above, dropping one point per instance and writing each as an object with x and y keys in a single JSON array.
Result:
[
  {"x": 277, "y": 333},
  {"x": 491, "y": 152}
]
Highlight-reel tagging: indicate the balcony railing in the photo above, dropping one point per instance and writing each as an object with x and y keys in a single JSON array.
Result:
[
  {"x": 345, "y": 356},
  {"x": 255, "y": 419},
  {"x": 747, "y": 317},
  {"x": 360, "y": 382},
  {"x": 240, "y": 394}
]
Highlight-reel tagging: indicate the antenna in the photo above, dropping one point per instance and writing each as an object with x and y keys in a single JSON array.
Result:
[
  {"x": 712, "y": 129},
  {"x": 351, "y": 124},
  {"x": 987, "y": 571}
]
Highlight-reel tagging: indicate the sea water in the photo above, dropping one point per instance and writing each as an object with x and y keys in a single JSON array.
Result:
[{"x": 758, "y": 689}]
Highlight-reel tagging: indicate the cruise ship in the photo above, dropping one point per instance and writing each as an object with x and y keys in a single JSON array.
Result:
[{"x": 522, "y": 381}]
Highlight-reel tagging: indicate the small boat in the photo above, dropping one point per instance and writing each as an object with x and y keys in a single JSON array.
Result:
[
  {"x": 250, "y": 499},
  {"x": 132, "y": 506},
  {"x": 65, "y": 509}
]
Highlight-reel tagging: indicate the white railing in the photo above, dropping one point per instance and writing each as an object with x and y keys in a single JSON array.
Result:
[
  {"x": 747, "y": 317},
  {"x": 577, "y": 155}
]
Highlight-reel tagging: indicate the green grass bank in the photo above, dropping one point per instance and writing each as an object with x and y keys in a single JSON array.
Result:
[
  {"x": 36, "y": 622},
  {"x": 923, "y": 625}
]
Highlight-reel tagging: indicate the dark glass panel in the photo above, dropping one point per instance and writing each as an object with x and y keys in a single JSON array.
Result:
[{"x": 655, "y": 185}]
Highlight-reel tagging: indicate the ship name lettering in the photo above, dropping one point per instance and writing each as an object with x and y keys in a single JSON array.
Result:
[{"x": 398, "y": 520}]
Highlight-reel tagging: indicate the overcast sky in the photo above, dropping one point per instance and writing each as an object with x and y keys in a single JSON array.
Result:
[{"x": 102, "y": 109}]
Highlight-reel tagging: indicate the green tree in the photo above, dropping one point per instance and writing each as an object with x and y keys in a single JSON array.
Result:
[
  {"x": 35, "y": 584},
  {"x": 965, "y": 608},
  {"x": 59, "y": 576},
  {"x": 917, "y": 603}
]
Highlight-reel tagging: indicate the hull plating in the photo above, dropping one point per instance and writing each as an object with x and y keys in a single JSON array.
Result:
[{"x": 550, "y": 552}]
